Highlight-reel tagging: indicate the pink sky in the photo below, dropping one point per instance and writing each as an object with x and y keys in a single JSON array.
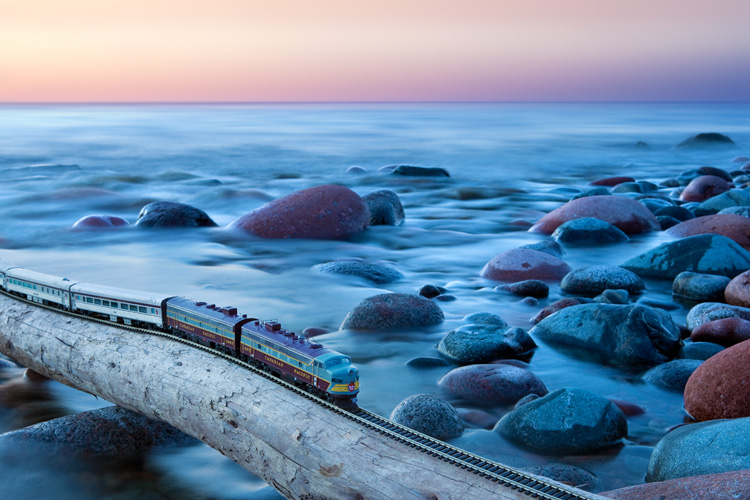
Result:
[{"x": 365, "y": 50}]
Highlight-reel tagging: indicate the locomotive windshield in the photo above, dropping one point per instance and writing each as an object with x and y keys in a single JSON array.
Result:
[{"x": 338, "y": 361}]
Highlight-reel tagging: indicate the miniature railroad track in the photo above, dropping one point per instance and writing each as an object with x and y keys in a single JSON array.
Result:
[{"x": 532, "y": 486}]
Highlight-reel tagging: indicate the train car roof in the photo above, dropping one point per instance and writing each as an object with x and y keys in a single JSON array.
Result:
[
  {"x": 225, "y": 314},
  {"x": 283, "y": 337},
  {"x": 121, "y": 294},
  {"x": 47, "y": 279}
]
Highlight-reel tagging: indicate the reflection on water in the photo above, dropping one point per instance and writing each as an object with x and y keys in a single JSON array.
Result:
[{"x": 508, "y": 163}]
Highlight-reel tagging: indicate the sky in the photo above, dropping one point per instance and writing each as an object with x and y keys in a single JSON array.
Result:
[{"x": 374, "y": 50}]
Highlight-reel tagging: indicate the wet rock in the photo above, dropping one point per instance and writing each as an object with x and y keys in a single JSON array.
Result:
[
  {"x": 744, "y": 211},
  {"x": 484, "y": 318},
  {"x": 659, "y": 304},
  {"x": 702, "y": 448},
  {"x": 167, "y": 214},
  {"x": 611, "y": 181},
  {"x": 491, "y": 384},
  {"x": 687, "y": 176},
  {"x": 593, "y": 280},
  {"x": 628, "y": 215},
  {"x": 704, "y": 187},
  {"x": 588, "y": 231},
  {"x": 610, "y": 296},
  {"x": 326, "y": 212},
  {"x": 706, "y": 139},
  {"x": 426, "y": 362},
  {"x": 478, "y": 419},
  {"x": 597, "y": 191},
  {"x": 356, "y": 169},
  {"x": 414, "y": 171},
  {"x": 375, "y": 273},
  {"x": 678, "y": 212},
  {"x": 33, "y": 376},
  {"x": 711, "y": 311},
  {"x": 484, "y": 343},
  {"x": 623, "y": 335},
  {"x": 699, "y": 350},
  {"x": 111, "y": 432},
  {"x": 385, "y": 208},
  {"x": 527, "y": 288},
  {"x": 725, "y": 332},
  {"x": 556, "y": 306},
  {"x": 699, "y": 287},
  {"x": 522, "y": 264},
  {"x": 727, "y": 486},
  {"x": 705, "y": 253},
  {"x": 672, "y": 375},
  {"x": 313, "y": 331},
  {"x": 393, "y": 310},
  {"x": 547, "y": 246},
  {"x": 565, "y": 422},
  {"x": 628, "y": 409},
  {"x": 445, "y": 298},
  {"x": 740, "y": 159},
  {"x": 429, "y": 415},
  {"x": 567, "y": 474},
  {"x": 654, "y": 204},
  {"x": 665, "y": 222},
  {"x": 100, "y": 222},
  {"x": 431, "y": 291},
  {"x": 635, "y": 187},
  {"x": 732, "y": 226},
  {"x": 5, "y": 364},
  {"x": 737, "y": 291},
  {"x": 730, "y": 199},
  {"x": 720, "y": 387}
]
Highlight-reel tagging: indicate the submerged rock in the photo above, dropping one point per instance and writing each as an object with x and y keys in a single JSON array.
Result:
[
  {"x": 588, "y": 231},
  {"x": 522, "y": 264},
  {"x": 567, "y": 474},
  {"x": 527, "y": 288},
  {"x": 493, "y": 384},
  {"x": 393, "y": 310},
  {"x": 100, "y": 222},
  {"x": 429, "y": 415},
  {"x": 593, "y": 280},
  {"x": 706, "y": 139},
  {"x": 699, "y": 287},
  {"x": 372, "y": 272},
  {"x": 167, "y": 214},
  {"x": 414, "y": 171},
  {"x": 672, "y": 375},
  {"x": 385, "y": 208},
  {"x": 485, "y": 343}
]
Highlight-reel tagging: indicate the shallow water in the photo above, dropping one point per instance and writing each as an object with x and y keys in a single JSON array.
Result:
[{"x": 508, "y": 163}]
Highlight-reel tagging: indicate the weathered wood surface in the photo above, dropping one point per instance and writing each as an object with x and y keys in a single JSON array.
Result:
[{"x": 301, "y": 449}]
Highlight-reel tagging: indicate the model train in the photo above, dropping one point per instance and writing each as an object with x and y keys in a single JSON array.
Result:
[{"x": 323, "y": 372}]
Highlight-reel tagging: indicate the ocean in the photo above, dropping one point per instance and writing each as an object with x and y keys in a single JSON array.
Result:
[{"x": 508, "y": 163}]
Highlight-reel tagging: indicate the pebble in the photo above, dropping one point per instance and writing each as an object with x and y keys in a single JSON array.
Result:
[
  {"x": 167, "y": 214},
  {"x": 393, "y": 310},
  {"x": 725, "y": 332},
  {"x": 431, "y": 291},
  {"x": 610, "y": 296},
  {"x": 588, "y": 231},
  {"x": 100, "y": 222},
  {"x": 491, "y": 384},
  {"x": 375, "y": 273},
  {"x": 567, "y": 421},
  {"x": 327, "y": 212},
  {"x": 385, "y": 208},
  {"x": 699, "y": 287},
  {"x": 429, "y": 415},
  {"x": 737, "y": 291},
  {"x": 735, "y": 227},
  {"x": 672, "y": 375},
  {"x": 593, "y": 280},
  {"x": 484, "y": 343},
  {"x": 524, "y": 264},
  {"x": 720, "y": 387}
]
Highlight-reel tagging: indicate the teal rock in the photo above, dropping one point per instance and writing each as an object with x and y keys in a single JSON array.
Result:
[
  {"x": 729, "y": 199},
  {"x": 393, "y": 310},
  {"x": 588, "y": 231},
  {"x": 484, "y": 343},
  {"x": 711, "y": 311},
  {"x": 429, "y": 415},
  {"x": 593, "y": 280},
  {"x": 673, "y": 375}
]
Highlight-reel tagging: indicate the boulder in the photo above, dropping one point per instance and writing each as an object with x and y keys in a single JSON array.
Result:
[
  {"x": 706, "y": 140},
  {"x": 737, "y": 291},
  {"x": 484, "y": 318},
  {"x": 704, "y": 187},
  {"x": 326, "y": 212},
  {"x": 431, "y": 291},
  {"x": 484, "y": 343},
  {"x": 699, "y": 350},
  {"x": 556, "y": 306},
  {"x": 711, "y": 311},
  {"x": 167, "y": 214},
  {"x": 565, "y": 422},
  {"x": 547, "y": 246},
  {"x": 493, "y": 384},
  {"x": 720, "y": 387},
  {"x": 522, "y": 264},
  {"x": 623, "y": 335},
  {"x": 393, "y": 310},
  {"x": 588, "y": 231},
  {"x": 730, "y": 199},
  {"x": 375, "y": 273},
  {"x": 705, "y": 253},
  {"x": 699, "y": 287},
  {"x": 385, "y": 208},
  {"x": 735, "y": 227},
  {"x": 725, "y": 332},
  {"x": 414, "y": 171},
  {"x": 567, "y": 474},
  {"x": 100, "y": 222},
  {"x": 628, "y": 215},
  {"x": 611, "y": 181},
  {"x": 593, "y": 280},
  {"x": 703, "y": 448},
  {"x": 672, "y": 375},
  {"x": 678, "y": 212},
  {"x": 527, "y": 288},
  {"x": 429, "y": 415},
  {"x": 727, "y": 486}
]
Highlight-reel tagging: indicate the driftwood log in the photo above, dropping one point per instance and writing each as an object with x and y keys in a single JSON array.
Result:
[{"x": 301, "y": 449}]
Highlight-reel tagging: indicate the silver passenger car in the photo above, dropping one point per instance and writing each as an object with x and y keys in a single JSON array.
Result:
[
  {"x": 39, "y": 287},
  {"x": 117, "y": 304}
]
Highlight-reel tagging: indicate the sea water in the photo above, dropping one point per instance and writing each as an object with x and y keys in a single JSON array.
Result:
[{"x": 508, "y": 163}]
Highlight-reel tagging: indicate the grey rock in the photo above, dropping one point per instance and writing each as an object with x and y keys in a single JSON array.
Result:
[
  {"x": 167, "y": 214},
  {"x": 699, "y": 350},
  {"x": 613, "y": 297},
  {"x": 565, "y": 422},
  {"x": 593, "y": 280},
  {"x": 491, "y": 384},
  {"x": 678, "y": 212},
  {"x": 429, "y": 415},
  {"x": 729, "y": 199},
  {"x": 393, "y": 310},
  {"x": 588, "y": 231},
  {"x": 743, "y": 211},
  {"x": 705, "y": 140},
  {"x": 485, "y": 318},
  {"x": 375, "y": 273},
  {"x": 710, "y": 311},
  {"x": 672, "y": 375},
  {"x": 385, "y": 208},
  {"x": 527, "y": 288},
  {"x": 484, "y": 343},
  {"x": 704, "y": 253},
  {"x": 709, "y": 447},
  {"x": 623, "y": 335},
  {"x": 700, "y": 287},
  {"x": 550, "y": 247}
]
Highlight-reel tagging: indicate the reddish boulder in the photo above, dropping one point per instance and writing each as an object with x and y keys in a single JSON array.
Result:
[
  {"x": 630, "y": 216},
  {"x": 492, "y": 384},
  {"x": 326, "y": 212},
  {"x": 99, "y": 222},
  {"x": 720, "y": 387},
  {"x": 725, "y": 486},
  {"x": 733, "y": 226},
  {"x": 522, "y": 264},
  {"x": 556, "y": 306},
  {"x": 611, "y": 181},
  {"x": 726, "y": 331},
  {"x": 704, "y": 187},
  {"x": 737, "y": 292}
]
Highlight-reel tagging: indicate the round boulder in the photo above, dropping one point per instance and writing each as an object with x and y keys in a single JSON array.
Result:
[
  {"x": 611, "y": 181},
  {"x": 565, "y": 422},
  {"x": 720, "y": 387},
  {"x": 629, "y": 215},
  {"x": 699, "y": 287},
  {"x": 494, "y": 384},
  {"x": 672, "y": 375},
  {"x": 429, "y": 415},
  {"x": 730, "y": 199},
  {"x": 735, "y": 227},
  {"x": 725, "y": 332},
  {"x": 706, "y": 140},
  {"x": 393, "y": 310},
  {"x": 711, "y": 311},
  {"x": 699, "y": 350},
  {"x": 704, "y": 187},
  {"x": 326, "y": 212},
  {"x": 414, "y": 171},
  {"x": 167, "y": 214},
  {"x": 372, "y": 272},
  {"x": 485, "y": 318},
  {"x": 727, "y": 486},
  {"x": 588, "y": 231},
  {"x": 385, "y": 208},
  {"x": 522, "y": 264},
  {"x": 737, "y": 291},
  {"x": 484, "y": 343},
  {"x": 100, "y": 222},
  {"x": 593, "y": 280},
  {"x": 527, "y": 288}
]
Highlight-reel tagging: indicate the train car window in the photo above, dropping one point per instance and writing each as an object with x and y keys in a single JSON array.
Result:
[
  {"x": 153, "y": 311},
  {"x": 333, "y": 362},
  {"x": 98, "y": 302},
  {"x": 105, "y": 303},
  {"x": 35, "y": 287},
  {"x": 124, "y": 306},
  {"x": 142, "y": 309},
  {"x": 115, "y": 304},
  {"x": 134, "y": 308},
  {"x": 89, "y": 300}
]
